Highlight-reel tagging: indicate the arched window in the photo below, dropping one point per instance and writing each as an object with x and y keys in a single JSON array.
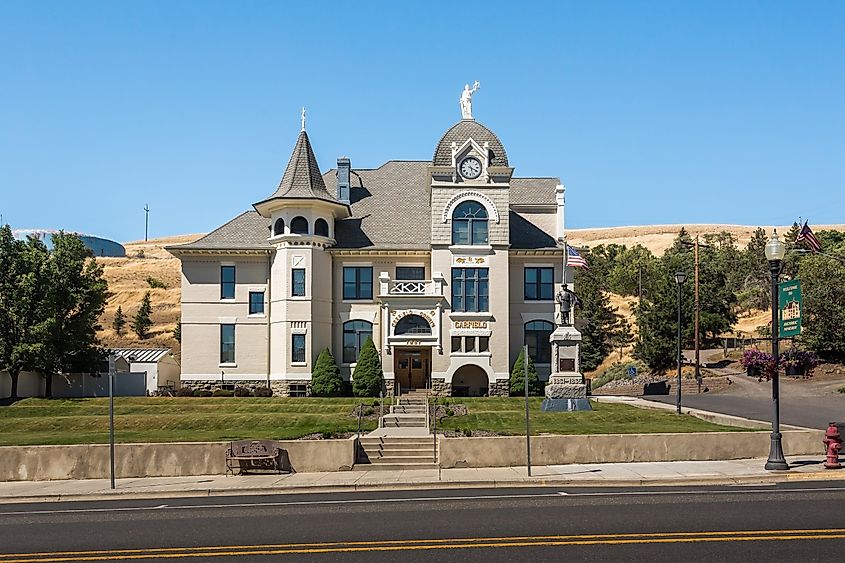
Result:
[
  {"x": 469, "y": 223},
  {"x": 299, "y": 226},
  {"x": 355, "y": 333},
  {"x": 279, "y": 227},
  {"x": 412, "y": 324},
  {"x": 321, "y": 228},
  {"x": 537, "y": 334}
]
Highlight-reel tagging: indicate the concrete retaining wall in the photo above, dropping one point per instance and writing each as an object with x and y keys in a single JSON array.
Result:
[
  {"x": 507, "y": 451},
  {"x": 42, "y": 463}
]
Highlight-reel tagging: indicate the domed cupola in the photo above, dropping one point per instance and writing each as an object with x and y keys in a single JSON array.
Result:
[{"x": 460, "y": 133}]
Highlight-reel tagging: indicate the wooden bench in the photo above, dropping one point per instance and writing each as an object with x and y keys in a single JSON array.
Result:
[{"x": 246, "y": 455}]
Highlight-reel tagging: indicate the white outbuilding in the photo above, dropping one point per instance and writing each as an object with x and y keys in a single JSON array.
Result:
[{"x": 159, "y": 364}]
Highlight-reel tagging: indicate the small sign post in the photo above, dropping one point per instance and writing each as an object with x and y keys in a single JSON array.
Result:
[
  {"x": 111, "y": 418},
  {"x": 632, "y": 371},
  {"x": 790, "y": 305},
  {"x": 527, "y": 422}
]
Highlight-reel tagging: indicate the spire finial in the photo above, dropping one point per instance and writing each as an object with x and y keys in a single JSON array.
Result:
[{"x": 302, "y": 118}]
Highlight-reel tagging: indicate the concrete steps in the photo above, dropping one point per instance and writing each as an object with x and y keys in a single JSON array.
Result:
[{"x": 395, "y": 453}]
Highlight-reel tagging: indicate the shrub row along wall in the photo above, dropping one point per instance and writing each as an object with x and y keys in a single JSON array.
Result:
[
  {"x": 43, "y": 463},
  {"x": 509, "y": 451}
]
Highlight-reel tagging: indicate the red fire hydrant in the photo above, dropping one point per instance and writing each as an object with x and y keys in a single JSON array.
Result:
[{"x": 832, "y": 443}]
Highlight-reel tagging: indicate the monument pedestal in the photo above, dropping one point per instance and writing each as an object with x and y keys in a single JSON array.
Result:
[{"x": 566, "y": 390}]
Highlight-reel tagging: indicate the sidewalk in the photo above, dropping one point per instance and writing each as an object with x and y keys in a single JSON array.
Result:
[{"x": 676, "y": 473}]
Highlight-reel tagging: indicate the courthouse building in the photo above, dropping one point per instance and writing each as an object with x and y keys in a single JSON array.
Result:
[{"x": 451, "y": 265}]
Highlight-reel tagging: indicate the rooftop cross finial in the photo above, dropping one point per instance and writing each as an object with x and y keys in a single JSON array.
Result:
[
  {"x": 466, "y": 100},
  {"x": 302, "y": 118}
]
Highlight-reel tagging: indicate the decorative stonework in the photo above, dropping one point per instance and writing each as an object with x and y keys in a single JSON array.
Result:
[
  {"x": 499, "y": 388},
  {"x": 439, "y": 388},
  {"x": 213, "y": 384},
  {"x": 482, "y": 198},
  {"x": 283, "y": 388},
  {"x": 388, "y": 387}
]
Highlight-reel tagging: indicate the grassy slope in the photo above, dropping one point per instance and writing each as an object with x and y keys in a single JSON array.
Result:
[
  {"x": 160, "y": 419},
  {"x": 507, "y": 416}
]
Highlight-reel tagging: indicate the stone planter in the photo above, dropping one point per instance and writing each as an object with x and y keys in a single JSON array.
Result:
[
  {"x": 796, "y": 371},
  {"x": 753, "y": 371}
]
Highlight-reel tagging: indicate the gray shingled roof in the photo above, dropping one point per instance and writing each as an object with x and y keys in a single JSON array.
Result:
[
  {"x": 459, "y": 133},
  {"x": 390, "y": 207},
  {"x": 533, "y": 191},
  {"x": 390, "y": 210},
  {"x": 247, "y": 231},
  {"x": 302, "y": 177}
]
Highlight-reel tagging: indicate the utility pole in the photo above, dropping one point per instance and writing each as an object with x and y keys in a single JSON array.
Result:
[
  {"x": 527, "y": 422},
  {"x": 697, "y": 312},
  {"x": 146, "y": 221}
]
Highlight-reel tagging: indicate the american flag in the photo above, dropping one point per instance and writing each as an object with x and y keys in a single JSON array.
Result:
[
  {"x": 574, "y": 259},
  {"x": 807, "y": 237}
]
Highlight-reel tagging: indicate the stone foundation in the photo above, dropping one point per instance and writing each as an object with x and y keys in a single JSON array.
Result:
[
  {"x": 566, "y": 391},
  {"x": 439, "y": 387},
  {"x": 283, "y": 388},
  {"x": 499, "y": 388}
]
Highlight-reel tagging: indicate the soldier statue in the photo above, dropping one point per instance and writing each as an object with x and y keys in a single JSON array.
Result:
[{"x": 567, "y": 301}]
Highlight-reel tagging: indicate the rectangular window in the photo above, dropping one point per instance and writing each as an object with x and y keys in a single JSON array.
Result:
[
  {"x": 297, "y": 348},
  {"x": 256, "y": 302},
  {"x": 470, "y": 344},
  {"x": 539, "y": 284},
  {"x": 483, "y": 343},
  {"x": 298, "y": 282},
  {"x": 227, "y": 344},
  {"x": 470, "y": 290},
  {"x": 355, "y": 334},
  {"x": 410, "y": 273},
  {"x": 456, "y": 343},
  {"x": 298, "y": 390},
  {"x": 227, "y": 282},
  {"x": 358, "y": 282}
]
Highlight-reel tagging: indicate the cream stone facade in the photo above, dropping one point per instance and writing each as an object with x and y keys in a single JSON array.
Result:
[{"x": 450, "y": 265}]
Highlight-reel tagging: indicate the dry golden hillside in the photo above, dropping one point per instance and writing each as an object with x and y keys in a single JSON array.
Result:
[
  {"x": 127, "y": 279},
  {"x": 657, "y": 238}
]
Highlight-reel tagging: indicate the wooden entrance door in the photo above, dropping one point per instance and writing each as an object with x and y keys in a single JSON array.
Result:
[{"x": 413, "y": 367}]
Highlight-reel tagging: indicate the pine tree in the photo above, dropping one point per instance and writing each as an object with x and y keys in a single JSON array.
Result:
[
  {"x": 517, "y": 381},
  {"x": 656, "y": 318},
  {"x": 598, "y": 318},
  {"x": 142, "y": 322},
  {"x": 177, "y": 332},
  {"x": 824, "y": 306},
  {"x": 119, "y": 322},
  {"x": 368, "y": 378},
  {"x": 325, "y": 379}
]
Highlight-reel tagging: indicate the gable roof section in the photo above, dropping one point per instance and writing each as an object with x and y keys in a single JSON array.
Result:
[
  {"x": 247, "y": 231},
  {"x": 141, "y": 355},
  {"x": 390, "y": 205}
]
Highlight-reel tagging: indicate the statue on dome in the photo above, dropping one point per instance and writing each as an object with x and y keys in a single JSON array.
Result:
[{"x": 466, "y": 100}]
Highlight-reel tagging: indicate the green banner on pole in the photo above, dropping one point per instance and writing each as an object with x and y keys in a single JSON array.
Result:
[{"x": 790, "y": 308}]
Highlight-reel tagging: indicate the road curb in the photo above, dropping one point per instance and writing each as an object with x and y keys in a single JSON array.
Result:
[{"x": 433, "y": 485}]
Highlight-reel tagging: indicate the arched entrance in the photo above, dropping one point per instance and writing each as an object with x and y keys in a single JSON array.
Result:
[{"x": 470, "y": 381}]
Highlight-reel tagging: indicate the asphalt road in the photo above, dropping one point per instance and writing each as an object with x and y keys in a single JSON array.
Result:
[
  {"x": 802, "y": 403},
  {"x": 799, "y": 522}
]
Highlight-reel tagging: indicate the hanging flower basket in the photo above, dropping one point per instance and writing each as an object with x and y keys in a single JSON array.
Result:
[
  {"x": 758, "y": 364},
  {"x": 797, "y": 362}
]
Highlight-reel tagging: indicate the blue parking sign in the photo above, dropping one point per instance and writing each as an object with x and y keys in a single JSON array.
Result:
[{"x": 632, "y": 371}]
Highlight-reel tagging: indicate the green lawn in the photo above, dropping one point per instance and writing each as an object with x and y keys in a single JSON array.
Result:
[
  {"x": 507, "y": 416},
  {"x": 163, "y": 419}
]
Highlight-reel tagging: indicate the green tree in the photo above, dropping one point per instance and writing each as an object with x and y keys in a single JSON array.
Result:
[
  {"x": 325, "y": 379},
  {"x": 75, "y": 299},
  {"x": 119, "y": 322},
  {"x": 368, "y": 378},
  {"x": 21, "y": 308},
  {"x": 142, "y": 322},
  {"x": 622, "y": 336},
  {"x": 656, "y": 318},
  {"x": 517, "y": 381},
  {"x": 597, "y": 318},
  {"x": 632, "y": 271},
  {"x": 177, "y": 332},
  {"x": 824, "y": 305}
]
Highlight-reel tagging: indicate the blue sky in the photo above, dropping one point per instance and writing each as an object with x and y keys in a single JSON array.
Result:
[{"x": 650, "y": 112}]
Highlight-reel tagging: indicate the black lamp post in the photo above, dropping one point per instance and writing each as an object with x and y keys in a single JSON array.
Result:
[
  {"x": 775, "y": 250},
  {"x": 680, "y": 278}
]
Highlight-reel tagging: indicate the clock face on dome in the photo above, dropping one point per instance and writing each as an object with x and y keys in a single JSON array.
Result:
[{"x": 470, "y": 168}]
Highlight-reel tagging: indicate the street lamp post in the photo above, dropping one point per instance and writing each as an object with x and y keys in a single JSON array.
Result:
[
  {"x": 680, "y": 278},
  {"x": 775, "y": 250}
]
